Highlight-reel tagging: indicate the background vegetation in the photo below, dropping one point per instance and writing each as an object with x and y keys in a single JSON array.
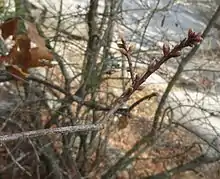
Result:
[{"x": 132, "y": 93}]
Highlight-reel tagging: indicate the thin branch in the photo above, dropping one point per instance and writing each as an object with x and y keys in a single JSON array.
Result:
[
  {"x": 43, "y": 132},
  {"x": 16, "y": 162},
  {"x": 198, "y": 161},
  {"x": 155, "y": 65},
  {"x": 126, "y": 51},
  {"x": 71, "y": 97},
  {"x": 128, "y": 56},
  {"x": 180, "y": 70},
  {"x": 148, "y": 97}
]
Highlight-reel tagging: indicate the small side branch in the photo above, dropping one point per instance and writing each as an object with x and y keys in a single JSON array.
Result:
[{"x": 148, "y": 97}]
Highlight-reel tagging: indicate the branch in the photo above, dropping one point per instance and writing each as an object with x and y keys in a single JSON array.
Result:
[
  {"x": 155, "y": 65},
  {"x": 198, "y": 161},
  {"x": 148, "y": 97},
  {"x": 43, "y": 132},
  {"x": 126, "y": 51},
  {"x": 6, "y": 76},
  {"x": 16, "y": 162},
  {"x": 180, "y": 69},
  {"x": 192, "y": 39}
]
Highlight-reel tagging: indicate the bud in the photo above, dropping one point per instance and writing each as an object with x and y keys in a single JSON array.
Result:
[
  {"x": 166, "y": 49},
  {"x": 194, "y": 38},
  {"x": 137, "y": 77},
  {"x": 198, "y": 38},
  {"x": 153, "y": 63},
  {"x": 190, "y": 32},
  {"x": 121, "y": 37}
]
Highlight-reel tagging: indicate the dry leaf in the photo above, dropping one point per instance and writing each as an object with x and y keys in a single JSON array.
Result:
[
  {"x": 37, "y": 56},
  {"x": 22, "y": 56},
  {"x": 34, "y": 35},
  {"x": 9, "y": 27},
  {"x": 25, "y": 57},
  {"x": 16, "y": 72}
]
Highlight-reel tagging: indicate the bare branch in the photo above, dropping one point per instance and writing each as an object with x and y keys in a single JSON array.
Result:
[
  {"x": 16, "y": 162},
  {"x": 180, "y": 70},
  {"x": 43, "y": 132},
  {"x": 148, "y": 139},
  {"x": 198, "y": 161},
  {"x": 148, "y": 97}
]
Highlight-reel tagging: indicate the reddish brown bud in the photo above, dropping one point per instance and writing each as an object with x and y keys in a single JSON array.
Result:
[
  {"x": 166, "y": 49},
  {"x": 193, "y": 38},
  {"x": 189, "y": 32},
  {"x": 137, "y": 77},
  {"x": 193, "y": 34},
  {"x": 198, "y": 38}
]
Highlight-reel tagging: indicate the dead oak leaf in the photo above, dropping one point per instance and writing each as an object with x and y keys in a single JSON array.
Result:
[
  {"x": 41, "y": 51},
  {"x": 40, "y": 58},
  {"x": 16, "y": 72},
  {"x": 21, "y": 55},
  {"x": 9, "y": 27},
  {"x": 33, "y": 34},
  {"x": 25, "y": 57}
]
